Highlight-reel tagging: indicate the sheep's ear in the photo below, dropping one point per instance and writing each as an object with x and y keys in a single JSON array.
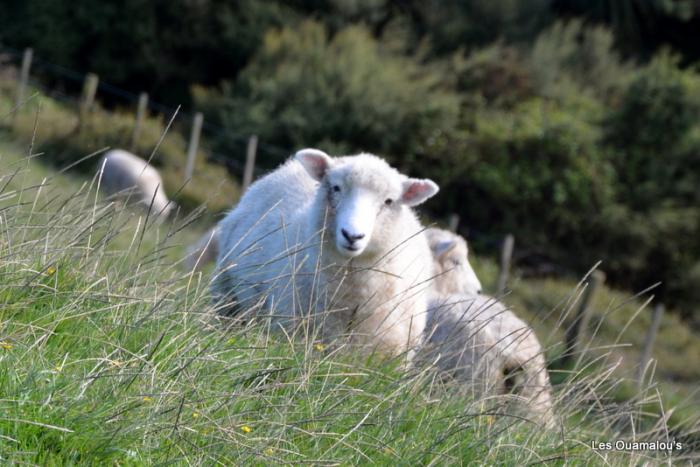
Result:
[
  {"x": 443, "y": 247},
  {"x": 416, "y": 191},
  {"x": 315, "y": 162}
]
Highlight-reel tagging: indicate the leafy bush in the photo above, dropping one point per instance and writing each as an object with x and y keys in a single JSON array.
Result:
[
  {"x": 449, "y": 26},
  {"x": 615, "y": 182},
  {"x": 653, "y": 144},
  {"x": 565, "y": 59},
  {"x": 650, "y": 130},
  {"x": 659, "y": 245},
  {"x": 536, "y": 171},
  {"x": 305, "y": 88},
  {"x": 497, "y": 73},
  {"x": 570, "y": 56}
]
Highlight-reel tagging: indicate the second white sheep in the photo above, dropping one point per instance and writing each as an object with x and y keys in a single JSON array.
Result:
[
  {"x": 477, "y": 339},
  {"x": 130, "y": 177}
]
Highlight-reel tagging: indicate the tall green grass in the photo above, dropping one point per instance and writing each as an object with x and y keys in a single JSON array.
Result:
[{"x": 109, "y": 353}]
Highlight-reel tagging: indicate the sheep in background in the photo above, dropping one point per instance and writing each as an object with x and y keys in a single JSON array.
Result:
[
  {"x": 333, "y": 239},
  {"x": 478, "y": 339},
  {"x": 458, "y": 340},
  {"x": 204, "y": 251},
  {"x": 125, "y": 174},
  {"x": 451, "y": 263}
]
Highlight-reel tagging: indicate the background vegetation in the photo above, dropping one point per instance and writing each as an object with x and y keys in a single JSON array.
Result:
[{"x": 573, "y": 124}]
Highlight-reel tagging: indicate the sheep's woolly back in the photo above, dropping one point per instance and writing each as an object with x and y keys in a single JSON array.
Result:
[
  {"x": 483, "y": 344},
  {"x": 127, "y": 175},
  {"x": 278, "y": 254}
]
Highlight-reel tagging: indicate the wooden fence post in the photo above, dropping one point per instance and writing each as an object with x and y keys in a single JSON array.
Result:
[
  {"x": 193, "y": 145},
  {"x": 506, "y": 257},
  {"x": 141, "y": 109},
  {"x": 23, "y": 79},
  {"x": 649, "y": 342},
  {"x": 577, "y": 329},
  {"x": 249, "y": 162},
  {"x": 89, "y": 92},
  {"x": 453, "y": 222}
]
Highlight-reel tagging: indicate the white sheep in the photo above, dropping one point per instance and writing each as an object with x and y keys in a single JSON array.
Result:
[
  {"x": 451, "y": 263},
  {"x": 204, "y": 251},
  {"x": 480, "y": 342},
  {"x": 334, "y": 239},
  {"x": 477, "y": 338},
  {"x": 126, "y": 175}
]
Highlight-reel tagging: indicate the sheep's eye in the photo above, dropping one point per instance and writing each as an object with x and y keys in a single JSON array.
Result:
[
  {"x": 455, "y": 262},
  {"x": 388, "y": 201},
  {"x": 336, "y": 188}
]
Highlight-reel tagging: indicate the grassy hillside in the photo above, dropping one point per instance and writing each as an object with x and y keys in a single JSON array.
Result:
[
  {"x": 52, "y": 127},
  {"x": 109, "y": 354}
]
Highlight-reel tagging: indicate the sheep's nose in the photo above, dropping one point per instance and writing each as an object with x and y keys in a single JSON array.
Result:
[
  {"x": 351, "y": 237},
  {"x": 478, "y": 292}
]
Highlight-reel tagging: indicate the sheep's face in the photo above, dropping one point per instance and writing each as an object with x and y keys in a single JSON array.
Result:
[
  {"x": 451, "y": 254},
  {"x": 361, "y": 193}
]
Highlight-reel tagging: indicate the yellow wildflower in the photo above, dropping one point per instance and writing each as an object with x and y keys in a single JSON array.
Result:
[
  {"x": 195, "y": 414},
  {"x": 6, "y": 345},
  {"x": 246, "y": 429},
  {"x": 147, "y": 399},
  {"x": 51, "y": 271},
  {"x": 269, "y": 451},
  {"x": 320, "y": 347}
]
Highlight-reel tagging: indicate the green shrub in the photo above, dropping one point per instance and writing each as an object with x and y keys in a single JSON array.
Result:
[
  {"x": 643, "y": 248},
  {"x": 497, "y": 73},
  {"x": 570, "y": 56},
  {"x": 449, "y": 26},
  {"x": 649, "y": 132},
  {"x": 565, "y": 59},
  {"x": 342, "y": 93},
  {"x": 652, "y": 137},
  {"x": 535, "y": 170}
]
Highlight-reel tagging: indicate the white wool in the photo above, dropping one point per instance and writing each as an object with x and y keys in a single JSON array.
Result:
[
  {"x": 477, "y": 338},
  {"x": 335, "y": 236},
  {"x": 127, "y": 175},
  {"x": 483, "y": 344}
]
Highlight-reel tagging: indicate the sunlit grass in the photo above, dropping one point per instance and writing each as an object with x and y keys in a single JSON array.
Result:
[{"x": 109, "y": 353}]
